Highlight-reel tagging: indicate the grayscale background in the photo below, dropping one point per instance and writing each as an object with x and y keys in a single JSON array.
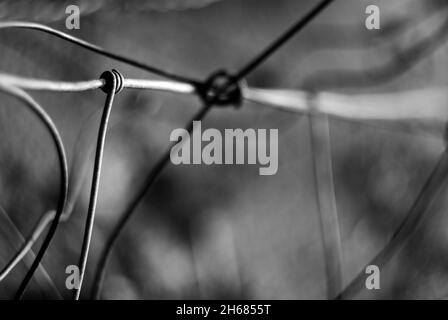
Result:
[{"x": 212, "y": 232}]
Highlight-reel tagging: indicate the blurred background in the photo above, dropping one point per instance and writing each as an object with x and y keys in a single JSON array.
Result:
[{"x": 210, "y": 232}]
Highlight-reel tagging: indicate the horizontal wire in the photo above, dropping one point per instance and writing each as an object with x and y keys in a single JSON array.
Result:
[
  {"x": 27, "y": 83},
  {"x": 94, "y": 48},
  {"x": 169, "y": 86},
  {"x": 406, "y": 105}
]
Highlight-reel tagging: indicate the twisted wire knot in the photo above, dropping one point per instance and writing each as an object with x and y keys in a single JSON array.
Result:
[
  {"x": 221, "y": 89},
  {"x": 109, "y": 77}
]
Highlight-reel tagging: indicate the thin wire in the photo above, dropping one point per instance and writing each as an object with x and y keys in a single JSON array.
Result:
[
  {"x": 76, "y": 177},
  {"x": 79, "y": 86},
  {"x": 29, "y": 242},
  {"x": 326, "y": 200},
  {"x": 95, "y": 48},
  {"x": 48, "y": 85},
  {"x": 95, "y": 185},
  {"x": 40, "y": 112},
  {"x": 286, "y": 36},
  {"x": 100, "y": 272},
  {"x": 37, "y": 84},
  {"x": 416, "y": 215},
  {"x": 169, "y": 86},
  {"x": 152, "y": 177},
  {"x": 352, "y": 107},
  {"x": 41, "y": 277}
]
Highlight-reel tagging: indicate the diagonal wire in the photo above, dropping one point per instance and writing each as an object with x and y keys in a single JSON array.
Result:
[
  {"x": 285, "y": 37},
  {"x": 416, "y": 215},
  {"x": 94, "y": 48},
  {"x": 13, "y": 234},
  {"x": 155, "y": 172},
  {"x": 37, "y": 109}
]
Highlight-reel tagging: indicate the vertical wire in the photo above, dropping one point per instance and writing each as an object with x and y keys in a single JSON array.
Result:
[
  {"x": 324, "y": 187},
  {"x": 152, "y": 177},
  {"x": 95, "y": 184}
]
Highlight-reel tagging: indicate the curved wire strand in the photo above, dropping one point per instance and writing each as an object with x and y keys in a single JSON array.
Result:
[
  {"x": 47, "y": 85},
  {"x": 77, "y": 176},
  {"x": 63, "y": 189},
  {"x": 94, "y": 48}
]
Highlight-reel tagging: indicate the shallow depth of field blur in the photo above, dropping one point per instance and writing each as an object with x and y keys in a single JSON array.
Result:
[{"x": 224, "y": 231}]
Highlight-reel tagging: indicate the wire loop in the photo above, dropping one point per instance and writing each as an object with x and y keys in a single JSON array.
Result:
[{"x": 109, "y": 77}]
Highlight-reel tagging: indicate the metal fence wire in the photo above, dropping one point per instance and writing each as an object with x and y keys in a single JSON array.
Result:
[{"x": 224, "y": 89}]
